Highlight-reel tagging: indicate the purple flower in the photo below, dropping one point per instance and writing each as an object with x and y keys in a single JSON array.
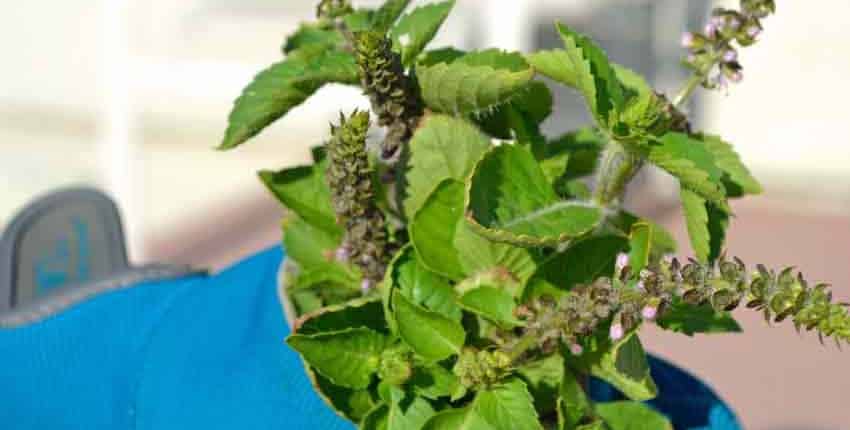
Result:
[
  {"x": 576, "y": 349},
  {"x": 730, "y": 55},
  {"x": 616, "y": 332},
  {"x": 622, "y": 261},
  {"x": 753, "y": 32},
  {"x": 736, "y": 76},
  {"x": 718, "y": 22},
  {"x": 342, "y": 254},
  {"x": 640, "y": 287},
  {"x": 687, "y": 39},
  {"x": 710, "y": 30},
  {"x": 649, "y": 313},
  {"x": 365, "y": 285}
]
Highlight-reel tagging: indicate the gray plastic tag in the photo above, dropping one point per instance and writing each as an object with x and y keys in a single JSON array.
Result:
[{"x": 64, "y": 248}]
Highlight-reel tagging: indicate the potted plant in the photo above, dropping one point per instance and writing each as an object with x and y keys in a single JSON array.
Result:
[{"x": 460, "y": 273}]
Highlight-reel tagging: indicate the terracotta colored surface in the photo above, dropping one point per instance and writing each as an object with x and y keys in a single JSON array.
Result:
[{"x": 775, "y": 379}]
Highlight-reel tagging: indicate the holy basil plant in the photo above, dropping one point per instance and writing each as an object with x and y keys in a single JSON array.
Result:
[{"x": 466, "y": 271}]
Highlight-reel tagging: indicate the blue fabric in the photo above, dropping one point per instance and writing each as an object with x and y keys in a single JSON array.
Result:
[{"x": 205, "y": 353}]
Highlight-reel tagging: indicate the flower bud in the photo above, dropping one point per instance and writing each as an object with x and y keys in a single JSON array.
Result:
[
  {"x": 622, "y": 261},
  {"x": 649, "y": 313},
  {"x": 730, "y": 55},
  {"x": 616, "y": 332},
  {"x": 365, "y": 285},
  {"x": 576, "y": 349}
]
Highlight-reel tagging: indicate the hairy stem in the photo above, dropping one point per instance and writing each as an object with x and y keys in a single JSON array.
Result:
[{"x": 617, "y": 167}]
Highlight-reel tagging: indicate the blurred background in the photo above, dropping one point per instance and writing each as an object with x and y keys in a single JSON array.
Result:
[{"x": 131, "y": 96}]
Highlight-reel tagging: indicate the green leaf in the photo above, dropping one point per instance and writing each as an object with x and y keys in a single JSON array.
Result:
[
  {"x": 357, "y": 313},
  {"x": 347, "y": 357},
  {"x": 509, "y": 200},
  {"x": 305, "y": 191},
  {"x": 442, "y": 148},
  {"x": 581, "y": 263},
  {"x": 707, "y": 223},
  {"x": 584, "y": 147},
  {"x": 663, "y": 241},
  {"x": 440, "y": 55},
  {"x": 473, "y": 83},
  {"x": 573, "y": 404},
  {"x": 689, "y": 320},
  {"x": 283, "y": 86},
  {"x": 738, "y": 180},
  {"x": 594, "y": 76},
  {"x": 632, "y": 416},
  {"x": 478, "y": 254},
  {"x": 507, "y": 406},
  {"x": 313, "y": 36},
  {"x": 495, "y": 304},
  {"x": 416, "y": 29},
  {"x": 434, "y": 381},
  {"x": 428, "y": 232},
  {"x": 306, "y": 244},
  {"x": 457, "y": 419},
  {"x": 387, "y": 14},
  {"x": 360, "y": 20},
  {"x": 429, "y": 334},
  {"x": 376, "y": 419},
  {"x": 543, "y": 378},
  {"x": 352, "y": 404},
  {"x": 409, "y": 414},
  {"x": 555, "y": 64},
  {"x": 424, "y": 288},
  {"x": 690, "y": 161},
  {"x": 533, "y": 105},
  {"x": 640, "y": 246},
  {"x": 622, "y": 364}
]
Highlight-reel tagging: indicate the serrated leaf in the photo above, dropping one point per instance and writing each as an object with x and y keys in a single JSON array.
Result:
[
  {"x": 581, "y": 263},
  {"x": 440, "y": 55},
  {"x": 473, "y": 83},
  {"x": 351, "y": 404},
  {"x": 424, "y": 288},
  {"x": 304, "y": 190},
  {"x": 409, "y": 414},
  {"x": 428, "y": 232},
  {"x": 493, "y": 303},
  {"x": 706, "y": 223},
  {"x": 283, "y": 86},
  {"x": 357, "y": 313},
  {"x": 584, "y": 146},
  {"x": 739, "y": 181},
  {"x": 690, "y": 161},
  {"x": 689, "y": 320},
  {"x": 313, "y": 36},
  {"x": 416, "y": 29},
  {"x": 543, "y": 378},
  {"x": 640, "y": 246},
  {"x": 632, "y": 416},
  {"x": 622, "y": 364},
  {"x": 594, "y": 76},
  {"x": 509, "y": 200},
  {"x": 555, "y": 64},
  {"x": 507, "y": 406},
  {"x": 431, "y": 335},
  {"x": 306, "y": 244},
  {"x": 348, "y": 358},
  {"x": 573, "y": 404},
  {"x": 663, "y": 241},
  {"x": 442, "y": 148},
  {"x": 478, "y": 254},
  {"x": 434, "y": 381},
  {"x": 384, "y": 18},
  {"x": 457, "y": 419}
]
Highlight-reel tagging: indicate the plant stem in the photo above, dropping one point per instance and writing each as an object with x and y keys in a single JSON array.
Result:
[
  {"x": 617, "y": 167},
  {"x": 525, "y": 344},
  {"x": 686, "y": 91}
]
